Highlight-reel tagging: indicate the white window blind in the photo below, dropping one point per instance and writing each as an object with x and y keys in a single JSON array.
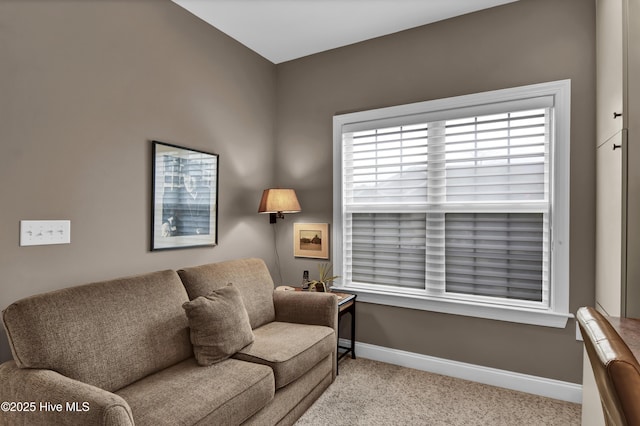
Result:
[
  {"x": 496, "y": 255},
  {"x": 451, "y": 207},
  {"x": 388, "y": 248},
  {"x": 458, "y": 205}
]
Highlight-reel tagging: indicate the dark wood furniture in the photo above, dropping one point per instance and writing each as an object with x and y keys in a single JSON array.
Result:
[
  {"x": 347, "y": 305},
  {"x": 615, "y": 366}
]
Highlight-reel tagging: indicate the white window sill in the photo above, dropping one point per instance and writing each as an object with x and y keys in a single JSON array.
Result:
[{"x": 545, "y": 318}]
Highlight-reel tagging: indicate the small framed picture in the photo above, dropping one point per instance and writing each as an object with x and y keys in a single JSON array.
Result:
[
  {"x": 311, "y": 240},
  {"x": 184, "y": 211}
]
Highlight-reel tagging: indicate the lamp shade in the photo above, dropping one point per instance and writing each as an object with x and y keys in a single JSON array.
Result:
[{"x": 277, "y": 200}]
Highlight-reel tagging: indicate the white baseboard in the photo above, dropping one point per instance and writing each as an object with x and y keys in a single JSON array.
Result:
[{"x": 549, "y": 388}]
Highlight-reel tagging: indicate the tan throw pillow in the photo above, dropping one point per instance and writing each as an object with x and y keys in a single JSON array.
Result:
[{"x": 219, "y": 325}]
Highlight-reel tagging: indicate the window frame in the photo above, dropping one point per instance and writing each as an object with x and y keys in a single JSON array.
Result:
[{"x": 557, "y": 313}]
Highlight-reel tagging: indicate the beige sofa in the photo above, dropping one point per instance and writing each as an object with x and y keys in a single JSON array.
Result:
[{"x": 118, "y": 352}]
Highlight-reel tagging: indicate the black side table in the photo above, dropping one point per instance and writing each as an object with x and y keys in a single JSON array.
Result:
[{"x": 346, "y": 305}]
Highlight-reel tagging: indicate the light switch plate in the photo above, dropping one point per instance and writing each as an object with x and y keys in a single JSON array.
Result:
[{"x": 44, "y": 232}]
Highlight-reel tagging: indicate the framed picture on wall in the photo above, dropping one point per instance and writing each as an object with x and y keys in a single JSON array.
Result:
[
  {"x": 184, "y": 210},
  {"x": 311, "y": 240}
]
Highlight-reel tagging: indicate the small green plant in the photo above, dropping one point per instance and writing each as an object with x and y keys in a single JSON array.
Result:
[{"x": 325, "y": 278}]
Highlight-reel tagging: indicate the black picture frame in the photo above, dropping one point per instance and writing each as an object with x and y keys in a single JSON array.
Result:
[{"x": 184, "y": 197}]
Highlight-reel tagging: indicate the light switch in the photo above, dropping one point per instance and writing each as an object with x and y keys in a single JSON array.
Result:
[{"x": 44, "y": 232}]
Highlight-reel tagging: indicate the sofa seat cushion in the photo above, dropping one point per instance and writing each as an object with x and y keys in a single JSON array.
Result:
[
  {"x": 228, "y": 392},
  {"x": 289, "y": 349}
]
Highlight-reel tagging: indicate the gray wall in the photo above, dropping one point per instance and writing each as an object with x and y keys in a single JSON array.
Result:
[
  {"x": 530, "y": 41},
  {"x": 84, "y": 87}
]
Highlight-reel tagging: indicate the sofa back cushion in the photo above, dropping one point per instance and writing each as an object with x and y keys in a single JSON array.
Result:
[
  {"x": 107, "y": 334},
  {"x": 219, "y": 325},
  {"x": 250, "y": 276}
]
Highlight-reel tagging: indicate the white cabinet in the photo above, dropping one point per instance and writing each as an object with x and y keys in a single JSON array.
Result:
[
  {"x": 631, "y": 162},
  {"x": 592, "y": 414},
  {"x": 617, "y": 174},
  {"x": 609, "y": 226},
  {"x": 610, "y": 67},
  {"x": 612, "y": 177}
]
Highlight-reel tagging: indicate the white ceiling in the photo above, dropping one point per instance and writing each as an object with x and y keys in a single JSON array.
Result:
[{"x": 282, "y": 30}]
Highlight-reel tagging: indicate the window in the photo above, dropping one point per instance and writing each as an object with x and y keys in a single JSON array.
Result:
[{"x": 458, "y": 205}]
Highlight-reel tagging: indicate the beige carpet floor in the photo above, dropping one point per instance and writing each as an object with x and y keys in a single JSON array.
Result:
[{"x": 374, "y": 393}]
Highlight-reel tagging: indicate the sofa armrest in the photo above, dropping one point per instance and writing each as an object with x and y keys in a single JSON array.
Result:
[
  {"x": 44, "y": 397},
  {"x": 307, "y": 308}
]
